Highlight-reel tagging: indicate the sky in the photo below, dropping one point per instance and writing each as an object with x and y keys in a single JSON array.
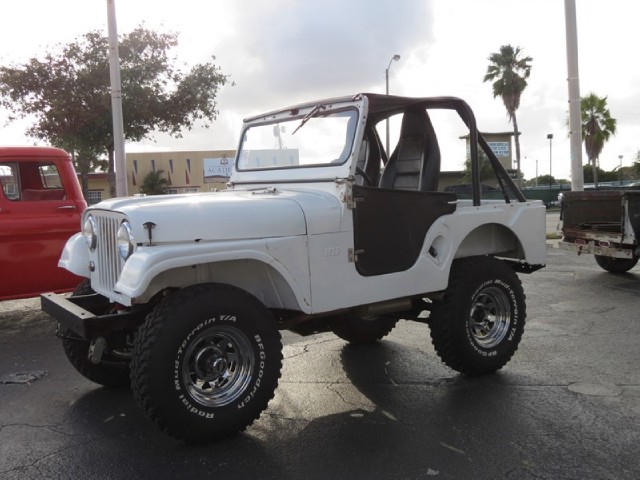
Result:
[{"x": 281, "y": 52}]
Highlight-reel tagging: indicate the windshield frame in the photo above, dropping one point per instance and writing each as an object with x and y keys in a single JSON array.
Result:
[{"x": 304, "y": 114}]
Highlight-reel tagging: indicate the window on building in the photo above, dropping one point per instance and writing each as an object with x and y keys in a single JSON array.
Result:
[
  {"x": 191, "y": 190},
  {"x": 94, "y": 196}
]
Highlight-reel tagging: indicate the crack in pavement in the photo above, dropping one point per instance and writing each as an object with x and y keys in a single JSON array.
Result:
[{"x": 39, "y": 459}]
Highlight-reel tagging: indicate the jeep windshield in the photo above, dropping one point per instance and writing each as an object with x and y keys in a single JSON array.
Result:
[{"x": 312, "y": 137}]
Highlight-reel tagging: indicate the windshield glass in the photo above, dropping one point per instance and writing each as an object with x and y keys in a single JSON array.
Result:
[{"x": 318, "y": 139}]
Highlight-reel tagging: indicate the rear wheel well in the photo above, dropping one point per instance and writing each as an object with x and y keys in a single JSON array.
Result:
[{"x": 491, "y": 239}]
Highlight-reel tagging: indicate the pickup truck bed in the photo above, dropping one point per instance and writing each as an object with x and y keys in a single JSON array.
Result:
[{"x": 605, "y": 223}]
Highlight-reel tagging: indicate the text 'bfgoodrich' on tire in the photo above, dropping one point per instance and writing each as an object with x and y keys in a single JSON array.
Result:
[
  {"x": 477, "y": 326},
  {"x": 206, "y": 362}
]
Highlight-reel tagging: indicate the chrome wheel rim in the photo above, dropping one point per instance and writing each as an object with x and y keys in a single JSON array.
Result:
[
  {"x": 217, "y": 366},
  {"x": 490, "y": 317}
]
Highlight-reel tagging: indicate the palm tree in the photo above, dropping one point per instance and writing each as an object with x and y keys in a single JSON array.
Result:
[
  {"x": 509, "y": 71},
  {"x": 597, "y": 127},
  {"x": 154, "y": 183}
]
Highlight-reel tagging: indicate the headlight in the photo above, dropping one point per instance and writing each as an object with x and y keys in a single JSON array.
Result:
[
  {"x": 90, "y": 233},
  {"x": 125, "y": 241}
]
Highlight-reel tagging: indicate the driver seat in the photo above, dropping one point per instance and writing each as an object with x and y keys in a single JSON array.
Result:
[{"x": 415, "y": 162}]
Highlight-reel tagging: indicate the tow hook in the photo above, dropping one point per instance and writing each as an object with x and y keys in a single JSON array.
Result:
[{"x": 96, "y": 350}]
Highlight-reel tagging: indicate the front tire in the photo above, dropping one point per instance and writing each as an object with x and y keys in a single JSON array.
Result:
[
  {"x": 206, "y": 362},
  {"x": 478, "y": 325},
  {"x": 616, "y": 265},
  {"x": 113, "y": 371}
]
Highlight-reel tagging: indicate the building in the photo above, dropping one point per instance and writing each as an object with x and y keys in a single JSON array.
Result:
[
  {"x": 185, "y": 172},
  {"x": 500, "y": 144}
]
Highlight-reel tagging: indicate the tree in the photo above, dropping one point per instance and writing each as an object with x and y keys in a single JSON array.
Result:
[
  {"x": 546, "y": 180},
  {"x": 509, "y": 70},
  {"x": 484, "y": 166},
  {"x": 597, "y": 127},
  {"x": 636, "y": 164},
  {"x": 68, "y": 93},
  {"x": 154, "y": 183}
]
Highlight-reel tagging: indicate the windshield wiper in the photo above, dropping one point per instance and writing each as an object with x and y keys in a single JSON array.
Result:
[{"x": 314, "y": 111}]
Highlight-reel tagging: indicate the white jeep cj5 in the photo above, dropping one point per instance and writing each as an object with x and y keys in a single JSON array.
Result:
[{"x": 320, "y": 229}]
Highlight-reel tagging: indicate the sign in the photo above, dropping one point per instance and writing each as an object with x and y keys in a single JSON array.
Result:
[
  {"x": 499, "y": 149},
  {"x": 217, "y": 169}
]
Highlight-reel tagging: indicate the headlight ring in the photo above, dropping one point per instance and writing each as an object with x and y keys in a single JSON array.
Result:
[
  {"x": 90, "y": 233},
  {"x": 124, "y": 241}
]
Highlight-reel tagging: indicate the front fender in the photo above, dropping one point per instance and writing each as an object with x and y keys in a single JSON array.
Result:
[
  {"x": 75, "y": 256},
  {"x": 286, "y": 257}
]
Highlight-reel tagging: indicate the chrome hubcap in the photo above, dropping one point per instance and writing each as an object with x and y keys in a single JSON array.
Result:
[
  {"x": 217, "y": 366},
  {"x": 490, "y": 317}
]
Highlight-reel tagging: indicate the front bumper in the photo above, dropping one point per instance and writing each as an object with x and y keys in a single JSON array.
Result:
[{"x": 84, "y": 315}]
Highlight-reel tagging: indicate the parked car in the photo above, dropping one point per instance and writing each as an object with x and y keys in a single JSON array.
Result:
[
  {"x": 188, "y": 293},
  {"x": 605, "y": 224},
  {"x": 40, "y": 207}
]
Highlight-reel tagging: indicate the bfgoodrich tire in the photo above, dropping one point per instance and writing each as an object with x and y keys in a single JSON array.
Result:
[
  {"x": 206, "y": 362},
  {"x": 478, "y": 325},
  {"x": 616, "y": 265}
]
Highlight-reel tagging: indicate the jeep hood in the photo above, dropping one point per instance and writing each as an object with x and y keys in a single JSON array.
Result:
[{"x": 228, "y": 215}]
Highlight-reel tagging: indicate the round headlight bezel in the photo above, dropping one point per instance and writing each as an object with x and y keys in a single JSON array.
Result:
[
  {"x": 125, "y": 242},
  {"x": 90, "y": 233}
]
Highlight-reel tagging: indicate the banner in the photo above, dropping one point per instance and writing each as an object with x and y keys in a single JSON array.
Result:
[{"x": 217, "y": 169}]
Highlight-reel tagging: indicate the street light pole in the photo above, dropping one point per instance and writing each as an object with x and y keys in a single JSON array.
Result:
[
  {"x": 550, "y": 137},
  {"x": 396, "y": 57},
  {"x": 620, "y": 169}
]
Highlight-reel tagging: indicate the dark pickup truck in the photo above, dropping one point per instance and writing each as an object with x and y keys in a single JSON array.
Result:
[{"x": 605, "y": 223}]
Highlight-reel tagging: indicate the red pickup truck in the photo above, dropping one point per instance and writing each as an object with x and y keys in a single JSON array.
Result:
[{"x": 40, "y": 207}]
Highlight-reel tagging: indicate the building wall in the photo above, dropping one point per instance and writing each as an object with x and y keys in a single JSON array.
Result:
[
  {"x": 98, "y": 188},
  {"x": 184, "y": 171},
  {"x": 500, "y": 143}
]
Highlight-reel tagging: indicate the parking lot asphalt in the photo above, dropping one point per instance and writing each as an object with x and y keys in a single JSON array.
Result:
[{"x": 566, "y": 406}]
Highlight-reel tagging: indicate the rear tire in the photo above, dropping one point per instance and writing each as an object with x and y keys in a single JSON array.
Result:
[
  {"x": 206, "y": 362},
  {"x": 616, "y": 265},
  {"x": 478, "y": 325}
]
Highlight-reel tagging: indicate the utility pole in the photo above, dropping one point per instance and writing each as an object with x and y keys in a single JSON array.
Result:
[
  {"x": 550, "y": 137},
  {"x": 575, "y": 123},
  {"x": 116, "y": 103}
]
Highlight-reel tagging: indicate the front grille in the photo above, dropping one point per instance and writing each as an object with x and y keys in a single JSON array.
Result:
[{"x": 107, "y": 261}]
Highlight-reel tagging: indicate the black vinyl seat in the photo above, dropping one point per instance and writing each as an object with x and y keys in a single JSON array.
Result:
[
  {"x": 369, "y": 159},
  {"x": 415, "y": 162}
]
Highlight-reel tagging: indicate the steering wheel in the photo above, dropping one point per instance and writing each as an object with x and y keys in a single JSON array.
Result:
[{"x": 367, "y": 180}]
